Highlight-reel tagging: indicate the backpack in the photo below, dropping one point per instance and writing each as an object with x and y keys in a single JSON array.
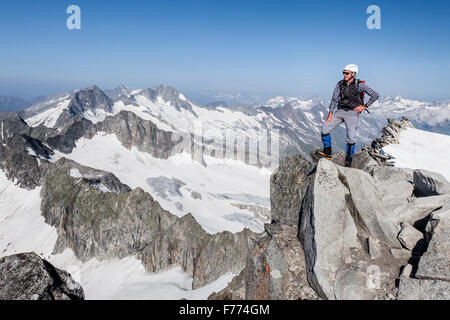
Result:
[{"x": 361, "y": 96}]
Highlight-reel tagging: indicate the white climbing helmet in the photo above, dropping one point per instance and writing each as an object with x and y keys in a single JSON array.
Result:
[{"x": 352, "y": 68}]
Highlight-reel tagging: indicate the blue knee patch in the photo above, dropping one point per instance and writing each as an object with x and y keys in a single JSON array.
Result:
[
  {"x": 350, "y": 150},
  {"x": 326, "y": 139}
]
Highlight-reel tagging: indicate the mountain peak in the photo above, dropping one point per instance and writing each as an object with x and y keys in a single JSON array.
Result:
[
  {"x": 169, "y": 95},
  {"x": 121, "y": 90}
]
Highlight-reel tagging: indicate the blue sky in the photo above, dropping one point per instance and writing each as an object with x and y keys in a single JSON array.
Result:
[{"x": 262, "y": 47}]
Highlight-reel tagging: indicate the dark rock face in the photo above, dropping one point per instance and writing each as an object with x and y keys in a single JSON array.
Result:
[
  {"x": 98, "y": 216},
  {"x": 26, "y": 276},
  {"x": 74, "y": 129},
  {"x": 90, "y": 99},
  {"x": 224, "y": 252},
  {"x": 20, "y": 153},
  {"x": 205, "y": 256},
  {"x": 287, "y": 188},
  {"x": 95, "y": 223},
  {"x": 274, "y": 269},
  {"x": 132, "y": 130},
  {"x": 427, "y": 183}
]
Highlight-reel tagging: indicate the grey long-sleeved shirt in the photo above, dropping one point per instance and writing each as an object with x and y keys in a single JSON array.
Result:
[{"x": 361, "y": 88}]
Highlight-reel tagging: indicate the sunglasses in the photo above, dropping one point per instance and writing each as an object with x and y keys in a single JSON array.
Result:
[{"x": 346, "y": 73}]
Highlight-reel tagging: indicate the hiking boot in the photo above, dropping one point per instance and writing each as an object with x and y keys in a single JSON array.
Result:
[
  {"x": 348, "y": 162},
  {"x": 350, "y": 149},
  {"x": 325, "y": 153}
]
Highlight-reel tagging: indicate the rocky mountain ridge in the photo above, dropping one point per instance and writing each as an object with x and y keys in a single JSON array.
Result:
[{"x": 368, "y": 232}]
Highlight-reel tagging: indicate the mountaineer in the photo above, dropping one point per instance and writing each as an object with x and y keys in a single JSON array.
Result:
[{"x": 348, "y": 99}]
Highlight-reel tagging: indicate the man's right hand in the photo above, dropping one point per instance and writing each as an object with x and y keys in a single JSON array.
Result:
[{"x": 329, "y": 118}]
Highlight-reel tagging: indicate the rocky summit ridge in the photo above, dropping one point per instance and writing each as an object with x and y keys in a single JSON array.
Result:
[{"x": 372, "y": 231}]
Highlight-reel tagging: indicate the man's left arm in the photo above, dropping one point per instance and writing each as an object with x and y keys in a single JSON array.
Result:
[{"x": 372, "y": 93}]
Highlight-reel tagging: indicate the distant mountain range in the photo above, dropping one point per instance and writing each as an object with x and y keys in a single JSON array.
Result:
[
  {"x": 297, "y": 120},
  {"x": 11, "y": 104}
]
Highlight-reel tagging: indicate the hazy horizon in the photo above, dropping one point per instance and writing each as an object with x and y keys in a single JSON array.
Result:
[{"x": 264, "y": 48}]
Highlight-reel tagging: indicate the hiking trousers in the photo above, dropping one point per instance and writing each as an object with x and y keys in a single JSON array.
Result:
[{"x": 350, "y": 117}]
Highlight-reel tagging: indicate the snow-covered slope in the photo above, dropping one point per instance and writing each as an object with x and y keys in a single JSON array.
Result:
[
  {"x": 224, "y": 195},
  {"x": 23, "y": 229},
  {"x": 420, "y": 113},
  {"x": 420, "y": 149},
  {"x": 48, "y": 111}
]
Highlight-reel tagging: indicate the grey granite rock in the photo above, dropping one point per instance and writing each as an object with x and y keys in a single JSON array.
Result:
[
  {"x": 435, "y": 262},
  {"x": 25, "y": 276},
  {"x": 274, "y": 269},
  {"x": 417, "y": 289},
  {"x": 409, "y": 236},
  {"x": 287, "y": 188},
  {"x": 395, "y": 185},
  {"x": 428, "y": 183}
]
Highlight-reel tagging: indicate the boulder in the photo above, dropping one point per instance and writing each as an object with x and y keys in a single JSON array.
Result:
[
  {"x": 395, "y": 185},
  {"x": 400, "y": 254},
  {"x": 428, "y": 183},
  {"x": 25, "y": 276},
  {"x": 417, "y": 289},
  {"x": 435, "y": 262},
  {"x": 418, "y": 208},
  {"x": 409, "y": 236}
]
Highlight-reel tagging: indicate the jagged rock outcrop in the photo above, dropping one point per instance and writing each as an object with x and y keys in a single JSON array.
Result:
[
  {"x": 21, "y": 154},
  {"x": 91, "y": 99},
  {"x": 435, "y": 262},
  {"x": 287, "y": 187},
  {"x": 428, "y": 183},
  {"x": 431, "y": 280},
  {"x": 274, "y": 269},
  {"x": 98, "y": 216},
  {"x": 363, "y": 232},
  {"x": 132, "y": 130},
  {"x": 205, "y": 256},
  {"x": 92, "y": 219},
  {"x": 26, "y": 276},
  {"x": 390, "y": 134}
]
